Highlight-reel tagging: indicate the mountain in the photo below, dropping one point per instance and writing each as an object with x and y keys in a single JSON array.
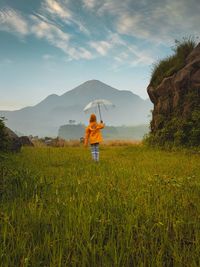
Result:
[{"x": 46, "y": 117}]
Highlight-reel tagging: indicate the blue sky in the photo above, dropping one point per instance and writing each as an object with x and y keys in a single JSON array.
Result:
[{"x": 51, "y": 46}]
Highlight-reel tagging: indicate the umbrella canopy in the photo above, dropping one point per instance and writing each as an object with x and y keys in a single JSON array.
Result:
[{"x": 98, "y": 103}]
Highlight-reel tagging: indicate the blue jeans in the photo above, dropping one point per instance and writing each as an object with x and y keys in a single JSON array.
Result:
[{"x": 95, "y": 151}]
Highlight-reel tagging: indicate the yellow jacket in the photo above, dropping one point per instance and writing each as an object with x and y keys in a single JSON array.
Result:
[{"x": 93, "y": 133}]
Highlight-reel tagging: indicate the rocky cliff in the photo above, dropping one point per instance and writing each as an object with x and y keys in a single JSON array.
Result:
[{"x": 176, "y": 100}]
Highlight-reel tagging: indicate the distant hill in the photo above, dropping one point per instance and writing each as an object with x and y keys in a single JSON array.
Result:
[{"x": 45, "y": 118}]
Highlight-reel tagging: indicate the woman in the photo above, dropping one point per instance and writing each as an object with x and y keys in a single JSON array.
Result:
[{"x": 93, "y": 136}]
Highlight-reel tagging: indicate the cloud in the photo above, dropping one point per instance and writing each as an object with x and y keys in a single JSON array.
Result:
[
  {"x": 125, "y": 28},
  {"x": 56, "y": 8},
  {"x": 59, "y": 39},
  {"x": 59, "y": 9},
  {"x": 90, "y": 3},
  {"x": 102, "y": 47},
  {"x": 12, "y": 21},
  {"x": 121, "y": 52},
  {"x": 145, "y": 26},
  {"x": 130, "y": 54},
  {"x": 47, "y": 57},
  {"x": 122, "y": 57},
  {"x": 132, "y": 57},
  {"x": 42, "y": 28},
  {"x": 83, "y": 53},
  {"x": 51, "y": 30},
  {"x": 78, "y": 53},
  {"x": 52, "y": 33},
  {"x": 155, "y": 21}
]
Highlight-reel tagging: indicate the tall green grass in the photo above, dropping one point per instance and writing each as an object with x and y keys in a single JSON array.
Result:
[
  {"x": 171, "y": 64},
  {"x": 137, "y": 207}
]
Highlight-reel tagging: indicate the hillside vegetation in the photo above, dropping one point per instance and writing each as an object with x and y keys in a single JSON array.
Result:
[
  {"x": 137, "y": 207},
  {"x": 171, "y": 64},
  {"x": 174, "y": 90}
]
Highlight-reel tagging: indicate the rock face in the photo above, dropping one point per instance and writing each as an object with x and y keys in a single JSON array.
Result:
[
  {"x": 177, "y": 95},
  {"x": 25, "y": 141},
  {"x": 14, "y": 143}
]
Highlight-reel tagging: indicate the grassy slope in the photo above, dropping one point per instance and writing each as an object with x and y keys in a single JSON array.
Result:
[
  {"x": 138, "y": 207},
  {"x": 172, "y": 64}
]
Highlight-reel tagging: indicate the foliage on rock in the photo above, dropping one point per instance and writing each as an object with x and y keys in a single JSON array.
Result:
[
  {"x": 175, "y": 91},
  {"x": 170, "y": 65}
]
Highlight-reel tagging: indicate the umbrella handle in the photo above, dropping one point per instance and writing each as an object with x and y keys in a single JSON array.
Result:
[{"x": 99, "y": 112}]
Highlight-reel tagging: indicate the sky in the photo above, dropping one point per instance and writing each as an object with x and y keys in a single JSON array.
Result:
[{"x": 51, "y": 46}]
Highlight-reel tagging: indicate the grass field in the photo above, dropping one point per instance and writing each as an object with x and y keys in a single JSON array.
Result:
[{"x": 137, "y": 207}]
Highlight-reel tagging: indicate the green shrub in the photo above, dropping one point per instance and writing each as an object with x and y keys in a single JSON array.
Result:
[
  {"x": 195, "y": 128},
  {"x": 177, "y": 132}
]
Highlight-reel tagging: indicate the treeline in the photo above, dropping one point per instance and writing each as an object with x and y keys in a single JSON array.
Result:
[{"x": 71, "y": 132}]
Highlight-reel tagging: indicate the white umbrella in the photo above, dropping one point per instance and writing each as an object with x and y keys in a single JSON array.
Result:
[{"x": 98, "y": 103}]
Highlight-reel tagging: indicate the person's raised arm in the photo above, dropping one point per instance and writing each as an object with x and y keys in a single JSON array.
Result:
[{"x": 101, "y": 125}]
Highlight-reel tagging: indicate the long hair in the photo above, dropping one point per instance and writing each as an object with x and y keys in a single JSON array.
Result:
[{"x": 93, "y": 118}]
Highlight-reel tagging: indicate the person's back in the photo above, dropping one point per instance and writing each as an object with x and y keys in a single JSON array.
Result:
[{"x": 93, "y": 136}]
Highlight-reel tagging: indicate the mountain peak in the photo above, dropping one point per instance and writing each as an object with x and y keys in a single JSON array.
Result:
[
  {"x": 95, "y": 82},
  {"x": 90, "y": 87},
  {"x": 49, "y": 99},
  {"x": 92, "y": 81}
]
